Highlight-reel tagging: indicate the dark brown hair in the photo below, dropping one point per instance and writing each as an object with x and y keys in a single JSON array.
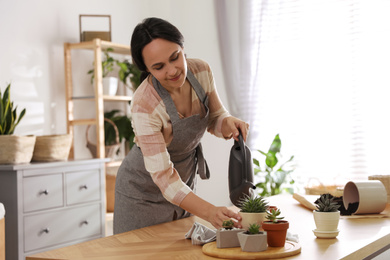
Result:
[{"x": 145, "y": 32}]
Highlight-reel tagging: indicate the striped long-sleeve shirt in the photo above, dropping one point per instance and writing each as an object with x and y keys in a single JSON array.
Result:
[{"x": 153, "y": 129}]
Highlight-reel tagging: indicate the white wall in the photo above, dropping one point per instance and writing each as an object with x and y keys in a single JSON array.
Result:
[{"x": 32, "y": 35}]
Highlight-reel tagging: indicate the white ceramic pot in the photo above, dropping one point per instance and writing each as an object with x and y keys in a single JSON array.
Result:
[
  {"x": 371, "y": 196},
  {"x": 110, "y": 86},
  {"x": 326, "y": 221},
  {"x": 250, "y": 218}
]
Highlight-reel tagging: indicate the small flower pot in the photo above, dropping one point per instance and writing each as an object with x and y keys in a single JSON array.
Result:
[
  {"x": 253, "y": 242},
  {"x": 228, "y": 237},
  {"x": 326, "y": 221},
  {"x": 276, "y": 232}
]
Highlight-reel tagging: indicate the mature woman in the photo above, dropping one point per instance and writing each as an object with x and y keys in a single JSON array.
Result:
[{"x": 171, "y": 110}]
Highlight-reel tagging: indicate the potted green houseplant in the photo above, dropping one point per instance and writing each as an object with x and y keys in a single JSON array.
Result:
[
  {"x": 326, "y": 216},
  {"x": 110, "y": 84},
  {"x": 129, "y": 72},
  {"x": 14, "y": 149},
  {"x": 275, "y": 176},
  {"x": 227, "y": 235},
  {"x": 253, "y": 209},
  {"x": 276, "y": 228},
  {"x": 253, "y": 240},
  {"x": 125, "y": 129}
]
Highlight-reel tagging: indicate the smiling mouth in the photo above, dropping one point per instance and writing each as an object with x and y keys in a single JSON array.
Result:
[{"x": 175, "y": 78}]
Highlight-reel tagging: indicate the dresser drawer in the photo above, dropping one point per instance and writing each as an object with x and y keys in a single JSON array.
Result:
[
  {"x": 82, "y": 186},
  {"x": 42, "y": 192},
  {"x": 49, "y": 229}
]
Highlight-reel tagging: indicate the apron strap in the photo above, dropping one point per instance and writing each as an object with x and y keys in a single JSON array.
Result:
[
  {"x": 166, "y": 97},
  {"x": 198, "y": 88},
  {"x": 203, "y": 168}
]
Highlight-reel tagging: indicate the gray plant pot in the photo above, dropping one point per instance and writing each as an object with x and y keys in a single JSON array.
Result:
[
  {"x": 253, "y": 243},
  {"x": 228, "y": 238}
]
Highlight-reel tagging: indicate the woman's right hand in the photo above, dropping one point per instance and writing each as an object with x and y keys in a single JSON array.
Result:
[{"x": 219, "y": 214}]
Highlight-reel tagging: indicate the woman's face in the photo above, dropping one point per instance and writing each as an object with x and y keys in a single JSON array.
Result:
[{"x": 165, "y": 60}]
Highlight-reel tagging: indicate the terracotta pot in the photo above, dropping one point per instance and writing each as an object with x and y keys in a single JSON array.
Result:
[
  {"x": 250, "y": 218},
  {"x": 253, "y": 242},
  {"x": 276, "y": 232}
]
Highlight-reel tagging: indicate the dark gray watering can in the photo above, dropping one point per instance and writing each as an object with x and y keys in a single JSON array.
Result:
[{"x": 240, "y": 171}]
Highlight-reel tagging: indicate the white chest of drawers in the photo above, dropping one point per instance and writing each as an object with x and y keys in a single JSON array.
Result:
[{"x": 51, "y": 205}]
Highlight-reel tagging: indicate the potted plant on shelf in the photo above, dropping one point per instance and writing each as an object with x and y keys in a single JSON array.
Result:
[
  {"x": 276, "y": 228},
  {"x": 14, "y": 149},
  {"x": 125, "y": 129},
  {"x": 129, "y": 72},
  {"x": 275, "y": 177},
  {"x": 253, "y": 209},
  {"x": 326, "y": 216},
  {"x": 227, "y": 235},
  {"x": 253, "y": 240},
  {"x": 110, "y": 84}
]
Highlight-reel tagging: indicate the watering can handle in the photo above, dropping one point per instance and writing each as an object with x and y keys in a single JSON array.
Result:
[{"x": 243, "y": 151}]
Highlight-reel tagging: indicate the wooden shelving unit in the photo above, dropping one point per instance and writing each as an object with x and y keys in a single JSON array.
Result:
[{"x": 97, "y": 46}]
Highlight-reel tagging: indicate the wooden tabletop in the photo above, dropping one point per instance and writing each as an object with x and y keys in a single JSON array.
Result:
[{"x": 358, "y": 238}]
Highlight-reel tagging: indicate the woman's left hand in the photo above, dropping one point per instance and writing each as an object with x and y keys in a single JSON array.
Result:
[{"x": 230, "y": 126}]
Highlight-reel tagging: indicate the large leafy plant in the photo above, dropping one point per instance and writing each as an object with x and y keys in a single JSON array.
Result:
[
  {"x": 123, "y": 123},
  {"x": 9, "y": 117},
  {"x": 275, "y": 176}
]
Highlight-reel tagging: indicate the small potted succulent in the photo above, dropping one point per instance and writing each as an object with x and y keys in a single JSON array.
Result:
[
  {"x": 326, "y": 216},
  {"x": 253, "y": 209},
  {"x": 276, "y": 228},
  {"x": 227, "y": 235},
  {"x": 253, "y": 240}
]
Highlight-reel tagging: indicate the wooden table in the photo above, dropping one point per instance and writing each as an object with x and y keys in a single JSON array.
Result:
[{"x": 358, "y": 238}]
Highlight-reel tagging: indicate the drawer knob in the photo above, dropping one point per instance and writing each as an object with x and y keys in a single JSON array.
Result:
[
  {"x": 46, "y": 192},
  {"x": 84, "y": 187},
  {"x": 85, "y": 222},
  {"x": 46, "y": 230}
]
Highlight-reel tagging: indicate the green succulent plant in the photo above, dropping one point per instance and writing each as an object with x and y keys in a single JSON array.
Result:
[
  {"x": 228, "y": 224},
  {"x": 253, "y": 204},
  {"x": 9, "y": 117},
  {"x": 273, "y": 215},
  {"x": 254, "y": 228},
  {"x": 326, "y": 204}
]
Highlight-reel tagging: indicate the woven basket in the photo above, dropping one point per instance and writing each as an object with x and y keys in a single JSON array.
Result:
[
  {"x": 49, "y": 148},
  {"x": 16, "y": 149},
  {"x": 110, "y": 150},
  {"x": 316, "y": 187},
  {"x": 385, "y": 179}
]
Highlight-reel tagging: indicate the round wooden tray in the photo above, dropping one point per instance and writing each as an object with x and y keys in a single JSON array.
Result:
[{"x": 290, "y": 248}]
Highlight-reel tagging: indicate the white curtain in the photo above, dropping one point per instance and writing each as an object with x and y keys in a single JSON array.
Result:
[{"x": 317, "y": 73}]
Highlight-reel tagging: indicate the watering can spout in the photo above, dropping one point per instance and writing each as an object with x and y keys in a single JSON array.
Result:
[{"x": 240, "y": 172}]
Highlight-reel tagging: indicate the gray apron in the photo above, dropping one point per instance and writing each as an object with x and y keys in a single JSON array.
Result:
[{"x": 138, "y": 200}]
